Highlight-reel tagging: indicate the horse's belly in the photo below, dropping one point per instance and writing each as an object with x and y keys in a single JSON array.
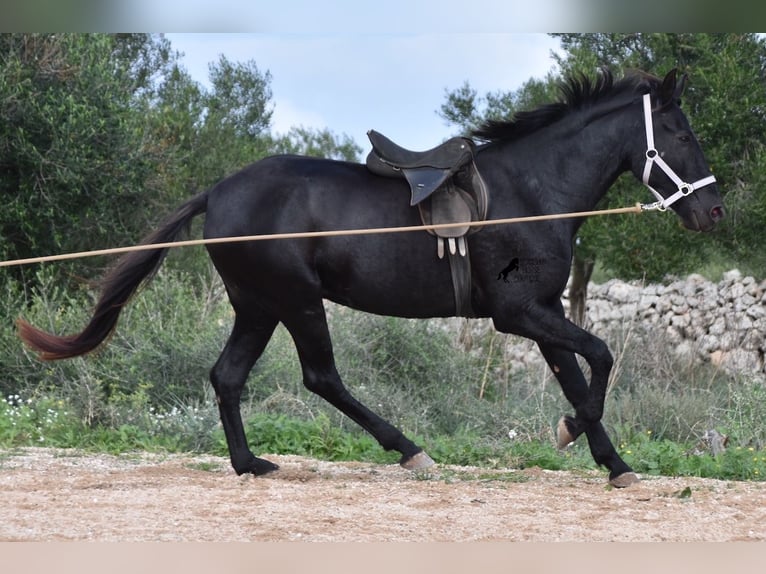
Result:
[{"x": 391, "y": 275}]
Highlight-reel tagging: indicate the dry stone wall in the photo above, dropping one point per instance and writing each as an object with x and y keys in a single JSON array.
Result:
[{"x": 721, "y": 322}]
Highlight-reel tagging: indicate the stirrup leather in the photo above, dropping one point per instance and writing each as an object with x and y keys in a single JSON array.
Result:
[{"x": 447, "y": 187}]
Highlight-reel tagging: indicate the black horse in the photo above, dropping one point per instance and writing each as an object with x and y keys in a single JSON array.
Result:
[{"x": 559, "y": 158}]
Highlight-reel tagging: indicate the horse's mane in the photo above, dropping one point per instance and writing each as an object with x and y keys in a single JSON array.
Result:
[{"x": 578, "y": 93}]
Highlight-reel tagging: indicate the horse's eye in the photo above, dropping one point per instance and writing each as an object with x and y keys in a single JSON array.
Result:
[{"x": 684, "y": 138}]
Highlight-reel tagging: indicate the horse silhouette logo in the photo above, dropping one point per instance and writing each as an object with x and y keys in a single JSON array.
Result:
[{"x": 512, "y": 266}]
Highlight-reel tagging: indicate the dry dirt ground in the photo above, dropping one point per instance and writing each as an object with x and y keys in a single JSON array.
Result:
[{"x": 62, "y": 495}]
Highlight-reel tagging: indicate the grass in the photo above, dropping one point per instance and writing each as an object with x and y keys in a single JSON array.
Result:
[
  {"x": 48, "y": 423},
  {"x": 465, "y": 403},
  {"x": 668, "y": 458}
]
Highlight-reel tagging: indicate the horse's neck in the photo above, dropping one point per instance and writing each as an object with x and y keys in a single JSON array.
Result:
[{"x": 569, "y": 167}]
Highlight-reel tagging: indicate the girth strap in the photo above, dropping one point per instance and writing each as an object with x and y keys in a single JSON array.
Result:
[
  {"x": 446, "y": 186},
  {"x": 460, "y": 269}
]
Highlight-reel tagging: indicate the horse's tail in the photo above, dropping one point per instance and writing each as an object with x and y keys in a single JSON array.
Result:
[{"x": 118, "y": 286}]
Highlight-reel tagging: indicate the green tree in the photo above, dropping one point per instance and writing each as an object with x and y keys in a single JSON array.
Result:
[
  {"x": 317, "y": 143},
  {"x": 466, "y": 110},
  {"x": 215, "y": 132},
  {"x": 235, "y": 121},
  {"x": 725, "y": 103},
  {"x": 72, "y": 155}
]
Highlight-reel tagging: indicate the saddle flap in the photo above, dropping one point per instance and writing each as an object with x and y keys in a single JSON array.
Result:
[
  {"x": 424, "y": 181},
  {"x": 449, "y": 206}
]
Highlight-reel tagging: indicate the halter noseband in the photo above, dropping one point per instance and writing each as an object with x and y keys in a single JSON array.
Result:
[{"x": 653, "y": 156}]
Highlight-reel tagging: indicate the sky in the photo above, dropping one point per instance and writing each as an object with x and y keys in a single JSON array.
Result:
[{"x": 393, "y": 82}]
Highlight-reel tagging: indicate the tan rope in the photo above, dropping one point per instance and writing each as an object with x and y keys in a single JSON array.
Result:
[{"x": 306, "y": 234}]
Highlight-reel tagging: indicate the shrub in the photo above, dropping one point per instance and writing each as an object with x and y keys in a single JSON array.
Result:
[
  {"x": 743, "y": 416},
  {"x": 160, "y": 355},
  {"x": 148, "y": 388}
]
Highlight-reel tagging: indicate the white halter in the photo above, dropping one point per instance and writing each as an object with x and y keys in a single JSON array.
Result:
[{"x": 653, "y": 156}]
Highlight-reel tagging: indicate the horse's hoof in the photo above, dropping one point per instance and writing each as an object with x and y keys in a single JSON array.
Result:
[
  {"x": 265, "y": 468},
  {"x": 624, "y": 480},
  {"x": 564, "y": 434},
  {"x": 419, "y": 461},
  {"x": 259, "y": 467}
]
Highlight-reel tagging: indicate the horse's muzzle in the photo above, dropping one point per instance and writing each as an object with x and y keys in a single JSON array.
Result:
[
  {"x": 717, "y": 213},
  {"x": 701, "y": 221}
]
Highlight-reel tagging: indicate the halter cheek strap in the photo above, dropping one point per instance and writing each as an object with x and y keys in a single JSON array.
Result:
[{"x": 653, "y": 157}]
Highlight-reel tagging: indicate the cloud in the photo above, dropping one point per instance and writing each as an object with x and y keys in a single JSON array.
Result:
[
  {"x": 394, "y": 83},
  {"x": 287, "y": 115}
]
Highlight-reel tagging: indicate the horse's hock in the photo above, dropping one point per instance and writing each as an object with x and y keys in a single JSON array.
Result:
[{"x": 723, "y": 323}]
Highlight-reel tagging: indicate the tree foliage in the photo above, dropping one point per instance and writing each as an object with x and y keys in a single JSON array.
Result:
[
  {"x": 71, "y": 150},
  {"x": 466, "y": 110},
  {"x": 725, "y": 103},
  {"x": 317, "y": 143},
  {"x": 103, "y": 134}
]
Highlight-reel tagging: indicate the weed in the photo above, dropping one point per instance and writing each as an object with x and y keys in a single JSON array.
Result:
[{"x": 466, "y": 403}]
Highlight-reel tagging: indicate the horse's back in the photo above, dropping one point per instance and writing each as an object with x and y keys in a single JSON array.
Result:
[
  {"x": 374, "y": 272},
  {"x": 267, "y": 196}
]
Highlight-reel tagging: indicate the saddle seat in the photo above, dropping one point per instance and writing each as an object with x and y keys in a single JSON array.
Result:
[
  {"x": 425, "y": 171},
  {"x": 447, "y": 187},
  {"x": 454, "y": 151}
]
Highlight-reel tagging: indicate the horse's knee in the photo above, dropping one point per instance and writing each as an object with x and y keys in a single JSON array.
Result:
[{"x": 226, "y": 390}]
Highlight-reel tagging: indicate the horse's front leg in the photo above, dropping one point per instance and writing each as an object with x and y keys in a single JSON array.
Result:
[
  {"x": 550, "y": 329},
  {"x": 559, "y": 339},
  {"x": 569, "y": 375}
]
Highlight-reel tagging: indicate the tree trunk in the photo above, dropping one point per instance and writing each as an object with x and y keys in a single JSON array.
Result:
[{"x": 582, "y": 269}]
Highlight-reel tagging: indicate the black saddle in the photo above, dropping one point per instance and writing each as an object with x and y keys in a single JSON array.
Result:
[
  {"x": 447, "y": 188},
  {"x": 426, "y": 170}
]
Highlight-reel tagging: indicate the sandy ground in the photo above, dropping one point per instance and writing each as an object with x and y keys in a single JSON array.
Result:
[{"x": 62, "y": 495}]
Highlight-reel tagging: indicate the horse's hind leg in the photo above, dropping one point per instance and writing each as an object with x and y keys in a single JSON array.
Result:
[
  {"x": 247, "y": 341},
  {"x": 312, "y": 340},
  {"x": 569, "y": 375}
]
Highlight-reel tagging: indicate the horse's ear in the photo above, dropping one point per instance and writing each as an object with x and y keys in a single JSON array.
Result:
[{"x": 672, "y": 88}]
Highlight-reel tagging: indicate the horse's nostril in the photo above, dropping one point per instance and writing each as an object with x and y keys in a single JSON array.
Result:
[{"x": 717, "y": 213}]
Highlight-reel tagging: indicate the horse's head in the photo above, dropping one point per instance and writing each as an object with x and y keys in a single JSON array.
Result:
[{"x": 672, "y": 165}]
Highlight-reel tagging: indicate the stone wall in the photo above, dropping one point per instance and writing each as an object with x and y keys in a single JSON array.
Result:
[{"x": 721, "y": 322}]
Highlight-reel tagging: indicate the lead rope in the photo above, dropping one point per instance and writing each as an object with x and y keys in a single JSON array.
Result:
[
  {"x": 652, "y": 157},
  {"x": 637, "y": 208}
]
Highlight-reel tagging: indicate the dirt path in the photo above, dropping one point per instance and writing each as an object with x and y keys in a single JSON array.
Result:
[{"x": 52, "y": 494}]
